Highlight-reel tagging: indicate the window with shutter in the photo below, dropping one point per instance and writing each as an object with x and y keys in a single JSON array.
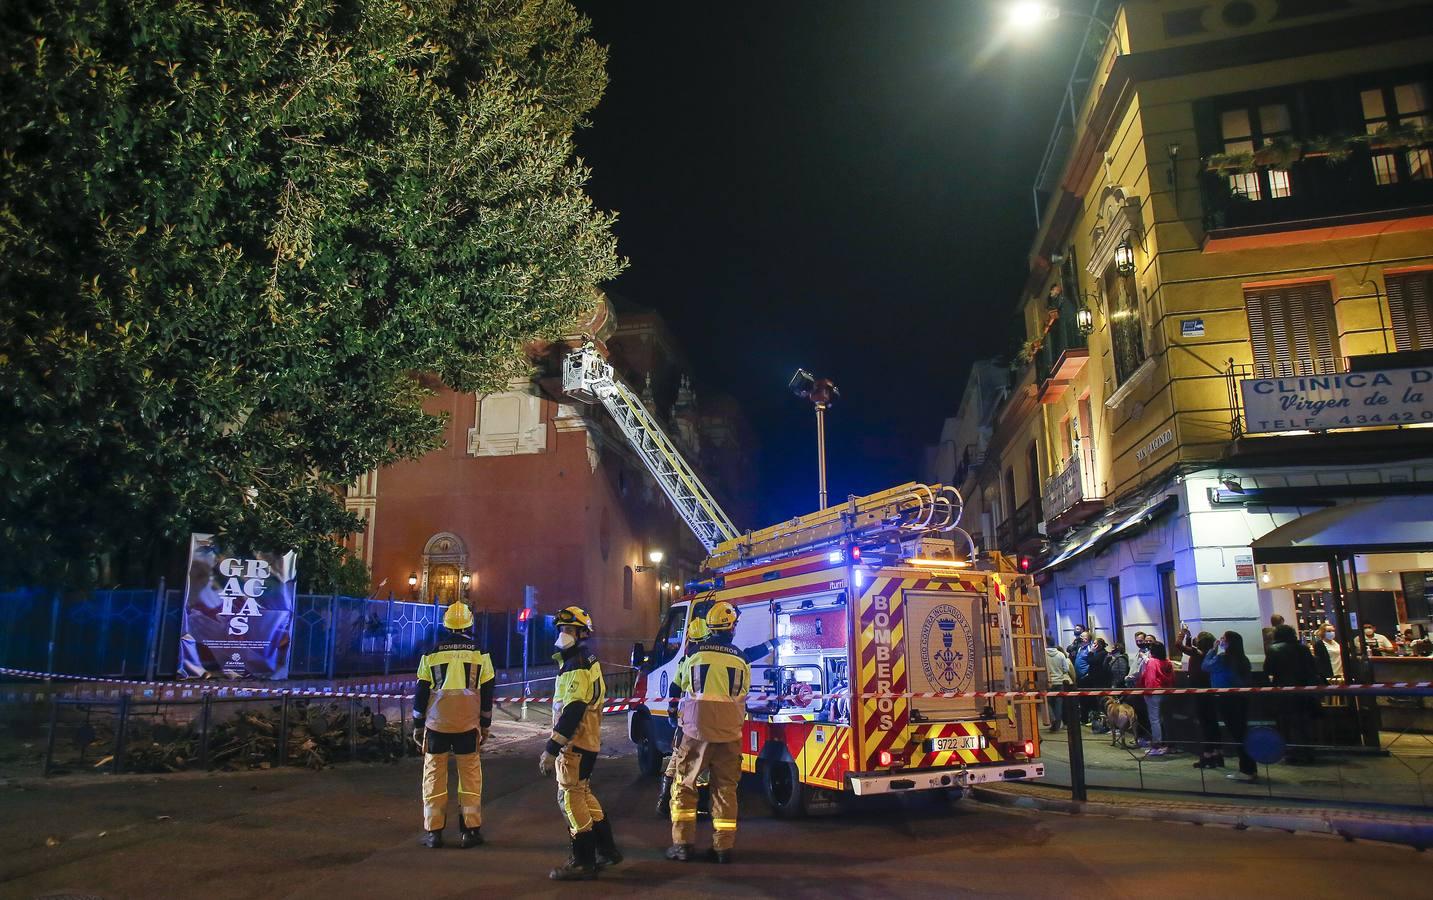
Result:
[
  {"x": 1292, "y": 329},
  {"x": 1410, "y": 306}
]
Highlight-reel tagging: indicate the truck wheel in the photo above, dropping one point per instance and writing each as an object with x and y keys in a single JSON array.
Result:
[{"x": 783, "y": 788}]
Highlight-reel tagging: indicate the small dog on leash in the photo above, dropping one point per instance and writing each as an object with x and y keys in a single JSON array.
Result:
[{"x": 1121, "y": 719}]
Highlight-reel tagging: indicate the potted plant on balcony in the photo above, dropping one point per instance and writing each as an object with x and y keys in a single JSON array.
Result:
[
  {"x": 1400, "y": 136},
  {"x": 1334, "y": 148},
  {"x": 1280, "y": 153},
  {"x": 1230, "y": 163}
]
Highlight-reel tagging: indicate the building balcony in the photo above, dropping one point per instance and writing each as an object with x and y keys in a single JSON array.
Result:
[
  {"x": 1071, "y": 495},
  {"x": 1319, "y": 193},
  {"x": 1019, "y": 533},
  {"x": 1061, "y": 357},
  {"x": 1316, "y": 396}
]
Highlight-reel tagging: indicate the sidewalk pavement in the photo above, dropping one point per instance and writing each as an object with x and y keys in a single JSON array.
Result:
[
  {"x": 1399, "y": 776},
  {"x": 1332, "y": 796}
]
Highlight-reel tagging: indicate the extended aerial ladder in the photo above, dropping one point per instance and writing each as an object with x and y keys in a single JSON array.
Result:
[
  {"x": 588, "y": 377},
  {"x": 896, "y": 514}
]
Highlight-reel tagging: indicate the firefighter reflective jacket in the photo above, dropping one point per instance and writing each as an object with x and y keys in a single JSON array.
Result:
[
  {"x": 714, "y": 687},
  {"x": 580, "y": 695},
  {"x": 455, "y": 687}
]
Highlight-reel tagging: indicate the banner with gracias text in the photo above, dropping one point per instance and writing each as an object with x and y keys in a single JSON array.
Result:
[{"x": 238, "y": 612}]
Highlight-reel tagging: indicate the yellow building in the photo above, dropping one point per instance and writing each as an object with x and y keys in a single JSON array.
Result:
[{"x": 1230, "y": 322}]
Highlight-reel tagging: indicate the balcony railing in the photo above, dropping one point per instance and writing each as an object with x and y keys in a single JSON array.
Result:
[
  {"x": 1072, "y": 487},
  {"x": 1377, "y": 391},
  {"x": 1062, "y": 341},
  {"x": 1019, "y": 528},
  {"x": 1317, "y": 189},
  {"x": 1237, "y": 373}
]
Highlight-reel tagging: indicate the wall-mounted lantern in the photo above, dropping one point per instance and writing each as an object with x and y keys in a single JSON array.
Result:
[
  {"x": 1124, "y": 257},
  {"x": 1085, "y": 319}
]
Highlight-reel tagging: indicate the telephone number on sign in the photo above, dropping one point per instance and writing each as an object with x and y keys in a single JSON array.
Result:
[{"x": 1387, "y": 418}]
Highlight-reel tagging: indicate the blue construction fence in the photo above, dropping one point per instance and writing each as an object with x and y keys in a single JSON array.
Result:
[{"x": 135, "y": 634}]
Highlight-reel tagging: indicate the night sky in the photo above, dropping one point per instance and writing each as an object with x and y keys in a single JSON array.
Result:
[{"x": 843, "y": 186}]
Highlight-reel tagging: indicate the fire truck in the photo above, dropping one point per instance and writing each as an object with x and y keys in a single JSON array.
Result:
[{"x": 885, "y": 623}]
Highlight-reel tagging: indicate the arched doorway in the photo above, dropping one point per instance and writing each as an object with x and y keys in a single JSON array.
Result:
[
  {"x": 443, "y": 583},
  {"x": 445, "y": 561}
]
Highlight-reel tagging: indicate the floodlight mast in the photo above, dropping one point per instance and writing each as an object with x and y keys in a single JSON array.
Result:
[
  {"x": 588, "y": 377},
  {"x": 822, "y": 392}
]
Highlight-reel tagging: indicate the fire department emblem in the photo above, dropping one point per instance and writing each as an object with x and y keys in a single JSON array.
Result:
[{"x": 946, "y": 641}]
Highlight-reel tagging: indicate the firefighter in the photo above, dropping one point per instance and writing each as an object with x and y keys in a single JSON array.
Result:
[
  {"x": 452, "y": 714},
  {"x": 696, "y": 633},
  {"x": 712, "y": 708},
  {"x": 572, "y": 749}
]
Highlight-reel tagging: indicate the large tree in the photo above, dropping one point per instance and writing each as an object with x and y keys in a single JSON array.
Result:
[{"x": 232, "y": 234}]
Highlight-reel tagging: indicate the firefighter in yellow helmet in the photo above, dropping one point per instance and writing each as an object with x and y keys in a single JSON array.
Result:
[
  {"x": 572, "y": 749},
  {"x": 696, "y": 633},
  {"x": 712, "y": 709},
  {"x": 452, "y": 713}
]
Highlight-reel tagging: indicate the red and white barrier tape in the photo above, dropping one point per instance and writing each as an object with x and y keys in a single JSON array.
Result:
[{"x": 614, "y": 704}]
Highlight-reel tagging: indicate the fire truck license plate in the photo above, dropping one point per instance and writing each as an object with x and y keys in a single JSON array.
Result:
[{"x": 964, "y": 742}]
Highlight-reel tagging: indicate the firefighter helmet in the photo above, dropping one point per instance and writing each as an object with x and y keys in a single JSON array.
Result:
[
  {"x": 697, "y": 631},
  {"x": 457, "y": 617},
  {"x": 576, "y": 617},
  {"x": 721, "y": 617}
]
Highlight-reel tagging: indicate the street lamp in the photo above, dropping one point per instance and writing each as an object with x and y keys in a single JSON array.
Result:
[
  {"x": 1030, "y": 13},
  {"x": 413, "y": 584},
  {"x": 1124, "y": 257},
  {"x": 822, "y": 392},
  {"x": 655, "y": 557}
]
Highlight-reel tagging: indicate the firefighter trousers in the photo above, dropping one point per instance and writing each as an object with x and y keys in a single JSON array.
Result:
[
  {"x": 723, "y": 760},
  {"x": 671, "y": 771},
  {"x": 438, "y": 748},
  {"x": 574, "y": 789}
]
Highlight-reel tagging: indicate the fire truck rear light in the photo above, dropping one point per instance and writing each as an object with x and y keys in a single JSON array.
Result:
[
  {"x": 885, "y": 757},
  {"x": 1029, "y": 748}
]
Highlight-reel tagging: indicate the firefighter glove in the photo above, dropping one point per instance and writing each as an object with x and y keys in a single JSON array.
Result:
[
  {"x": 419, "y": 733},
  {"x": 483, "y": 736},
  {"x": 544, "y": 763}
]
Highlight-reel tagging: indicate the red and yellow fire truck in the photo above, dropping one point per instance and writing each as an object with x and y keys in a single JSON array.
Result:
[{"x": 884, "y": 623}]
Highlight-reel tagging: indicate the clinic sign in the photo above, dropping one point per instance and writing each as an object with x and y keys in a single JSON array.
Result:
[
  {"x": 238, "y": 612},
  {"x": 1344, "y": 400}
]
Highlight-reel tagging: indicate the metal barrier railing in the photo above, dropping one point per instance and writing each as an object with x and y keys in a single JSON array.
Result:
[
  {"x": 230, "y": 729},
  {"x": 1371, "y": 748}
]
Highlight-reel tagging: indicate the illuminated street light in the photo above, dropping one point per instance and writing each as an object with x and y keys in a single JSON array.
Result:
[
  {"x": 655, "y": 557},
  {"x": 1029, "y": 14}
]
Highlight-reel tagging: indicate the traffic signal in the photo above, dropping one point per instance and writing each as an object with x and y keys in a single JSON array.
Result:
[{"x": 523, "y": 616}]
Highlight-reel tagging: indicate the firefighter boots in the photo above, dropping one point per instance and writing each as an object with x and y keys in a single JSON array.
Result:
[
  {"x": 719, "y": 856},
  {"x": 432, "y": 839},
  {"x": 582, "y": 864},
  {"x": 606, "y": 845},
  {"x": 681, "y": 852},
  {"x": 470, "y": 837},
  {"x": 664, "y": 799}
]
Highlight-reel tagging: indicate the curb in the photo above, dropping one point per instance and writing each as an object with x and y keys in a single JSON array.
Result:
[{"x": 1418, "y": 835}]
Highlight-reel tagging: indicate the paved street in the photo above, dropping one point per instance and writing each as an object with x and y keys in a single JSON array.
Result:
[{"x": 351, "y": 832}]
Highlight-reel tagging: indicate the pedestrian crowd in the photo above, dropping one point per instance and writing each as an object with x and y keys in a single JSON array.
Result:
[{"x": 1091, "y": 663}]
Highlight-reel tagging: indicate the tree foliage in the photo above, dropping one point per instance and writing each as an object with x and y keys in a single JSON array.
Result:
[{"x": 234, "y": 233}]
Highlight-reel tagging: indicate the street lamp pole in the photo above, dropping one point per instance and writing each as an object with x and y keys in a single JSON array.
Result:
[
  {"x": 821, "y": 451},
  {"x": 822, "y": 392}
]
